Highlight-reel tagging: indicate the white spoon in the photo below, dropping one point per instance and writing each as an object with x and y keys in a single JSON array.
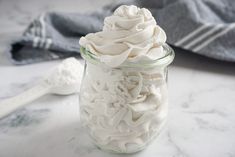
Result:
[{"x": 63, "y": 80}]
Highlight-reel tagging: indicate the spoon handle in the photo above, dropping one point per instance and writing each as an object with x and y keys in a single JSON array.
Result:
[{"x": 11, "y": 104}]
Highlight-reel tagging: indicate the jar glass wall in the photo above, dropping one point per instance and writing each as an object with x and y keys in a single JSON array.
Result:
[{"x": 123, "y": 109}]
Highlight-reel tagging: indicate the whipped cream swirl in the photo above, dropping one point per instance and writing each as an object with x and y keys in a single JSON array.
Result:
[
  {"x": 123, "y": 110},
  {"x": 131, "y": 33}
]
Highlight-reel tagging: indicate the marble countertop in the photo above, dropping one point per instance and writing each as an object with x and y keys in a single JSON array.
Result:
[{"x": 201, "y": 119}]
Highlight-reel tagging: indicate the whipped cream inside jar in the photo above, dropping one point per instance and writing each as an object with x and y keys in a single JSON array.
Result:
[{"x": 123, "y": 96}]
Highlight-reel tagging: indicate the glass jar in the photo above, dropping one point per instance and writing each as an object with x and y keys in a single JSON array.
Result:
[{"x": 123, "y": 109}]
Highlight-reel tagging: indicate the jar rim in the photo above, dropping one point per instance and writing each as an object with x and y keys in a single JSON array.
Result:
[{"x": 163, "y": 61}]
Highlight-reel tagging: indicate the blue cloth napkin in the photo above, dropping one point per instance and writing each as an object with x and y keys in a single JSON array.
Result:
[{"x": 204, "y": 27}]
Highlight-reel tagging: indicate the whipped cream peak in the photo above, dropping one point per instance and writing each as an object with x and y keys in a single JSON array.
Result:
[
  {"x": 131, "y": 33},
  {"x": 133, "y": 12},
  {"x": 129, "y": 18}
]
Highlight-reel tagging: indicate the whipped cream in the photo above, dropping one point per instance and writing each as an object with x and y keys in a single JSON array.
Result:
[
  {"x": 124, "y": 108},
  {"x": 129, "y": 34}
]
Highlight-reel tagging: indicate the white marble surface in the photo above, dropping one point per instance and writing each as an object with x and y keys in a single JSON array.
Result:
[{"x": 202, "y": 101}]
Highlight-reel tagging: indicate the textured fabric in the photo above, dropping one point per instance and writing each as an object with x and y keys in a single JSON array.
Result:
[{"x": 204, "y": 27}]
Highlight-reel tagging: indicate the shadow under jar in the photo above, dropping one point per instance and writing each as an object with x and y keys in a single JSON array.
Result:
[{"x": 123, "y": 109}]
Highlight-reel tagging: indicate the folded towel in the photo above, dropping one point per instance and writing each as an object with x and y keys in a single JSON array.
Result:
[{"x": 200, "y": 26}]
